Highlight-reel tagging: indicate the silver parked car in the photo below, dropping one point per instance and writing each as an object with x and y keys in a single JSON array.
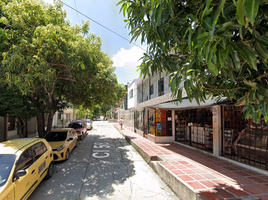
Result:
[{"x": 89, "y": 124}]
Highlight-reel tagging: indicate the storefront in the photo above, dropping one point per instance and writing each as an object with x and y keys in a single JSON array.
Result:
[
  {"x": 216, "y": 127},
  {"x": 159, "y": 126},
  {"x": 160, "y": 122},
  {"x": 192, "y": 122}
]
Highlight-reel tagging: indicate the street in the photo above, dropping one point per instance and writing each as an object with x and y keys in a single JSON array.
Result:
[{"x": 103, "y": 166}]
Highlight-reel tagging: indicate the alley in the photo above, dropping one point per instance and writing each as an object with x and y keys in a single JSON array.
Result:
[{"x": 103, "y": 166}]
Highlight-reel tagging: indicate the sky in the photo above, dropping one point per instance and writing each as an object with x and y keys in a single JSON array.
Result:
[{"x": 125, "y": 56}]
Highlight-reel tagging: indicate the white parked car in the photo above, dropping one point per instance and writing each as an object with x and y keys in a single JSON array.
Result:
[{"x": 89, "y": 124}]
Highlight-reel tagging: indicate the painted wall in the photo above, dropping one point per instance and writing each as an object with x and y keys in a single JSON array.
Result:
[{"x": 133, "y": 101}]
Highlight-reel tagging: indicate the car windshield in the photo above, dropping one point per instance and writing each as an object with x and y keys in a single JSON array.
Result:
[
  {"x": 6, "y": 164},
  {"x": 75, "y": 126},
  {"x": 56, "y": 136}
]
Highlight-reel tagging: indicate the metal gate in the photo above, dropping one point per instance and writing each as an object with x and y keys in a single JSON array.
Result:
[{"x": 243, "y": 140}]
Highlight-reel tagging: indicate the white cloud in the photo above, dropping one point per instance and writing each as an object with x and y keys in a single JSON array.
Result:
[{"x": 124, "y": 57}]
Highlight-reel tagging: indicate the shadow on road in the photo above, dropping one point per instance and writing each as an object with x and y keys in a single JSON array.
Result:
[
  {"x": 85, "y": 176},
  {"x": 106, "y": 173}
]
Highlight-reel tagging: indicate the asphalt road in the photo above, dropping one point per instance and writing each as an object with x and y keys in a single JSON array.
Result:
[{"x": 103, "y": 166}]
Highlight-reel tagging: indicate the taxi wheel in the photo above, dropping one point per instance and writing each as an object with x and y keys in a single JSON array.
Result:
[
  {"x": 67, "y": 154},
  {"x": 50, "y": 171},
  {"x": 76, "y": 143}
]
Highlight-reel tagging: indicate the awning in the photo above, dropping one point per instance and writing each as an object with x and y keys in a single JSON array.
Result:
[{"x": 186, "y": 104}]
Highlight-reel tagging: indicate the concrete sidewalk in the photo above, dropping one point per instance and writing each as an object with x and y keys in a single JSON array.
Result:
[{"x": 193, "y": 174}]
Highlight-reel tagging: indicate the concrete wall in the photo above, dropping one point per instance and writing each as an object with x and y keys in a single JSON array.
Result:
[{"x": 32, "y": 126}]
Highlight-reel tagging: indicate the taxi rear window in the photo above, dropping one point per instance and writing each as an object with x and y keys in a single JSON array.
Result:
[
  {"x": 56, "y": 136},
  {"x": 76, "y": 125}
]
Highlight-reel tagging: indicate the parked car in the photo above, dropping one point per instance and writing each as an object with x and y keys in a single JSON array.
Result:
[
  {"x": 89, "y": 124},
  {"x": 80, "y": 127},
  {"x": 62, "y": 141},
  {"x": 24, "y": 163}
]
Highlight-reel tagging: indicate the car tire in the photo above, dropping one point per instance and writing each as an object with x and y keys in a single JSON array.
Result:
[
  {"x": 67, "y": 154},
  {"x": 76, "y": 143},
  {"x": 82, "y": 136},
  {"x": 50, "y": 171}
]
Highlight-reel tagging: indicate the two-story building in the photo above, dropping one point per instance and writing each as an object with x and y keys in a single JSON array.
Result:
[{"x": 214, "y": 126}]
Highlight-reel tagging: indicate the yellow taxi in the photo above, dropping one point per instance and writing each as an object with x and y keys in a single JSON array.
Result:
[
  {"x": 62, "y": 141},
  {"x": 24, "y": 163}
]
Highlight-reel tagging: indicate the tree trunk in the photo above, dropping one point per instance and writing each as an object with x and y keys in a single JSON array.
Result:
[
  {"x": 41, "y": 124},
  {"x": 3, "y": 129},
  {"x": 21, "y": 127},
  {"x": 50, "y": 120}
]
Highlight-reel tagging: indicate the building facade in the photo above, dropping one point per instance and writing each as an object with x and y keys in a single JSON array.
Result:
[{"x": 217, "y": 127}]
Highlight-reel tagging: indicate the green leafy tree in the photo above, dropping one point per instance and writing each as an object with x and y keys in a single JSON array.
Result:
[
  {"x": 216, "y": 47},
  {"x": 15, "y": 104},
  {"x": 52, "y": 62}
]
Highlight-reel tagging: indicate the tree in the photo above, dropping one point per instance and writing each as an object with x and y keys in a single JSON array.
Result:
[
  {"x": 15, "y": 104},
  {"x": 52, "y": 62},
  {"x": 217, "y": 48}
]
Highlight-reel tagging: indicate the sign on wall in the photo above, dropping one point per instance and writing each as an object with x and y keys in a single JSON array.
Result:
[{"x": 163, "y": 122}]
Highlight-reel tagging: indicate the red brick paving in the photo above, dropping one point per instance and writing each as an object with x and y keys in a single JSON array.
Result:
[{"x": 208, "y": 176}]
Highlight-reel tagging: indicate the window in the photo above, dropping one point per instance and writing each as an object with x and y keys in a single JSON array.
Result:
[
  {"x": 161, "y": 86},
  {"x": 6, "y": 164},
  {"x": 151, "y": 89},
  {"x": 25, "y": 160},
  {"x": 39, "y": 149},
  {"x": 131, "y": 93},
  {"x": 75, "y": 125},
  {"x": 56, "y": 136}
]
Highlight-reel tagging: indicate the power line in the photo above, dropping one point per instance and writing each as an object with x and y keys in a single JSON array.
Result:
[
  {"x": 101, "y": 25},
  {"x": 77, "y": 12}
]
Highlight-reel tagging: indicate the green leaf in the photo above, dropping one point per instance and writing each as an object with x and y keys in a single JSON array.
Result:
[
  {"x": 261, "y": 50},
  {"x": 239, "y": 12},
  {"x": 246, "y": 52},
  {"x": 158, "y": 14},
  {"x": 250, "y": 83},
  {"x": 262, "y": 40},
  {"x": 189, "y": 41},
  {"x": 220, "y": 58},
  {"x": 216, "y": 16},
  {"x": 223, "y": 27},
  {"x": 207, "y": 24},
  {"x": 213, "y": 68},
  {"x": 186, "y": 86},
  {"x": 236, "y": 60},
  {"x": 251, "y": 10},
  {"x": 202, "y": 35}
]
